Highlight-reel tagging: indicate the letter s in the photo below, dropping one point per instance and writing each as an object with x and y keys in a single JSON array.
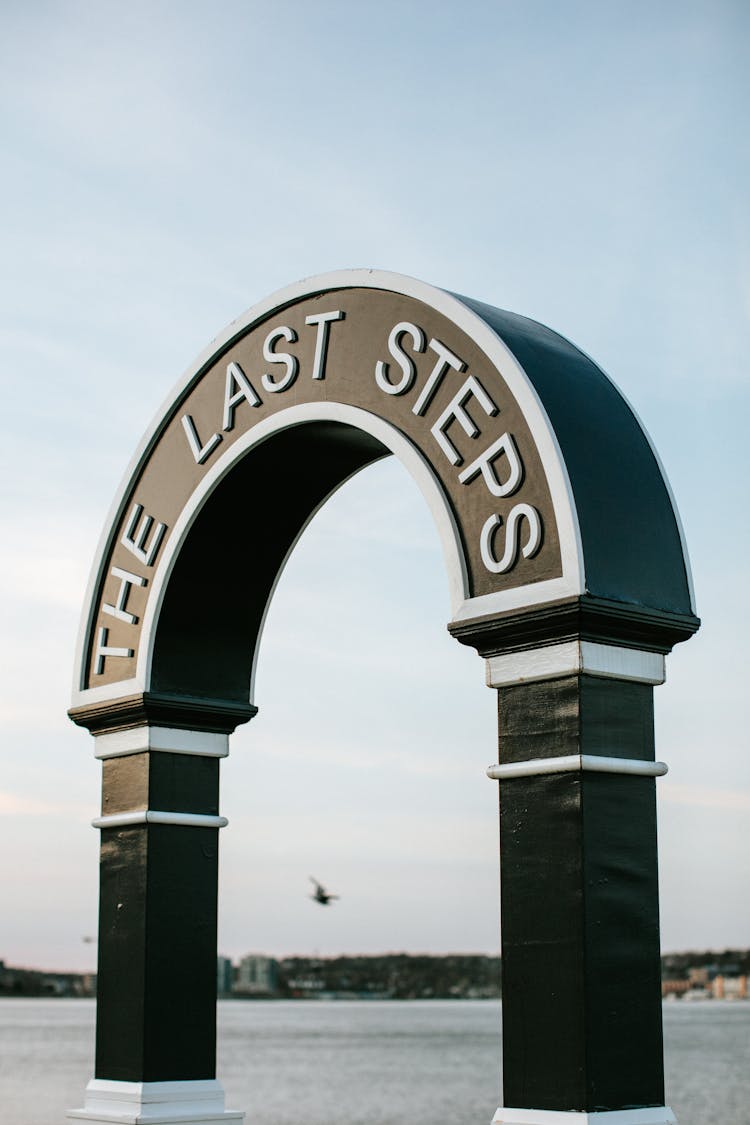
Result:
[
  {"x": 272, "y": 356},
  {"x": 512, "y": 537},
  {"x": 404, "y": 361}
]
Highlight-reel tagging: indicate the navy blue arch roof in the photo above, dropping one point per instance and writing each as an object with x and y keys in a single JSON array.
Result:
[{"x": 632, "y": 545}]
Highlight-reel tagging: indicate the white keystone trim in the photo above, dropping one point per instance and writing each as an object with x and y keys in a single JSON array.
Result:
[
  {"x": 499, "y": 355},
  {"x": 575, "y": 657},
  {"x": 652, "y": 1115},
  {"x": 168, "y": 740},
  {"x": 151, "y": 1103},
  {"x": 148, "y": 816},
  {"x": 568, "y": 763}
]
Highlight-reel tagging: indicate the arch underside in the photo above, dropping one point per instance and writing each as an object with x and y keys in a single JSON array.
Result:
[{"x": 221, "y": 583}]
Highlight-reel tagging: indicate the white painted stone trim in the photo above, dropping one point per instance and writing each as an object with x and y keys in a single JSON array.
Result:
[
  {"x": 168, "y": 740},
  {"x": 149, "y": 816},
  {"x": 573, "y": 658},
  {"x": 151, "y": 1103},
  {"x": 568, "y": 763},
  {"x": 497, "y": 352},
  {"x": 654, "y": 1115}
]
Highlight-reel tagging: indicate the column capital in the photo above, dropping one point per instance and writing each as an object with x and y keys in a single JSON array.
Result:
[
  {"x": 587, "y": 618},
  {"x": 161, "y": 710}
]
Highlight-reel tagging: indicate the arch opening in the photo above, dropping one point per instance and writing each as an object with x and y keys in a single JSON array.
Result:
[
  {"x": 353, "y": 693},
  {"x": 215, "y": 602}
]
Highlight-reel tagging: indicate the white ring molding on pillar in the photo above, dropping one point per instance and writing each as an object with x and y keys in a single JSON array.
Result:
[
  {"x": 652, "y": 1115},
  {"x": 150, "y": 816},
  {"x": 198, "y": 1102},
  {"x": 569, "y": 763},
  {"x": 167, "y": 740},
  {"x": 576, "y": 658}
]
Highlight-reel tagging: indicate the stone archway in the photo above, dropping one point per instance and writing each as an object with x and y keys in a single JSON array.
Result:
[{"x": 568, "y": 574}]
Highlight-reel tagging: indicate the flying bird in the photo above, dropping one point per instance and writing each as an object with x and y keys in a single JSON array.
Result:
[{"x": 321, "y": 894}]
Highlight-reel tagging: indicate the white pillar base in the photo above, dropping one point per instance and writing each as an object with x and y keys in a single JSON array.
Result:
[
  {"x": 654, "y": 1115},
  {"x": 155, "y": 1103}
]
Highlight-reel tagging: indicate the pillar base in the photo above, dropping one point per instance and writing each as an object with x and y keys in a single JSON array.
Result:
[
  {"x": 155, "y": 1103},
  {"x": 652, "y": 1115}
]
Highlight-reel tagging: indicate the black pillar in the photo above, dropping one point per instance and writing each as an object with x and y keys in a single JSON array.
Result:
[
  {"x": 582, "y": 1028},
  {"x": 157, "y": 922},
  {"x": 580, "y": 913},
  {"x": 156, "y": 989}
]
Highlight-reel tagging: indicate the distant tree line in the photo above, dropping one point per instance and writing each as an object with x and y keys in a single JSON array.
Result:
[
  {"x": 37, "y": 982},
  {"x": 399, "y": 976}
]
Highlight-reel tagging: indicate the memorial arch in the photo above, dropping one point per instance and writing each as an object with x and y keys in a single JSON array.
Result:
[{"x": 568, "y": 574}]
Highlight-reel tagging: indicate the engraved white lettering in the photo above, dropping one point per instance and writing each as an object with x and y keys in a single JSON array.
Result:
[
  {"x": 512, "y": 538},
  {"x": 200, "y": 452},
  {"x": 456, "y": 410},
  {"x": 136, "y": 536},
  {"x": 103, "y": 650},
  {"x": 485, "y": 464},
  {"x": 271, "y": 356},
  {"x": 405, "y": 362},
  {"x": 238, "y": 389},
  {"x": 323, "y": 321},
  {"x": 445, "y": 360},
  {"x": 127, "y": 579}
]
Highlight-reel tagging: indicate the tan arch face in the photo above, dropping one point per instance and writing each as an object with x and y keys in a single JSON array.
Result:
[{"x": 383, "y": 352}]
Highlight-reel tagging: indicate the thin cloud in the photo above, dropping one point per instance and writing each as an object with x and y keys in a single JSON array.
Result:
[
  {"x": 12, "y": 804},
  {"x": 403, "y": 758},
  {"x": 701, "y": 797}
]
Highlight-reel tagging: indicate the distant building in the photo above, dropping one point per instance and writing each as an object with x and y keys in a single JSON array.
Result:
[
  {"x": 305, "y": 986},
  {"x": 729, "y": 988},
  {"x": 257, "y": 975},
  {"x": 224, "y": 976},
  {"x": 675, "y": 988}
]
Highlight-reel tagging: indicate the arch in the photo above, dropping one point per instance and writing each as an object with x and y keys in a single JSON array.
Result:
[
  {"x": 567, "y": 572},
  {"x": 589, "y": 511}
]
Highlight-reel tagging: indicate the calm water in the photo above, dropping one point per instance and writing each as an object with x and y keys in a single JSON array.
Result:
[{"x": 370, "y": 1063}]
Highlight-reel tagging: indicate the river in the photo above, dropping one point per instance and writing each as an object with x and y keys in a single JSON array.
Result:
[{"x": 362, "y": 1063}]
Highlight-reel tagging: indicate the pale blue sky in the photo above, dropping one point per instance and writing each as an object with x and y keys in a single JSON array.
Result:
[{"x": 165, "y": 166}]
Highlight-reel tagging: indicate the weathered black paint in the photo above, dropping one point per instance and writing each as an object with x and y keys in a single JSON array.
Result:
[
  {"x": 631, "y": 540},
  {"x": 576, "y": 715},
  {"x": 157, "y": 924},
  {"x": 156, "y": 1012},
  {"x": 167, "y": 782},
  {"x": 580, "y": 936}
]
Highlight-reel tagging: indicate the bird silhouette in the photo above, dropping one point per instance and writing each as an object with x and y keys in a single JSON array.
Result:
[{"x": 321, "y": 894}]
